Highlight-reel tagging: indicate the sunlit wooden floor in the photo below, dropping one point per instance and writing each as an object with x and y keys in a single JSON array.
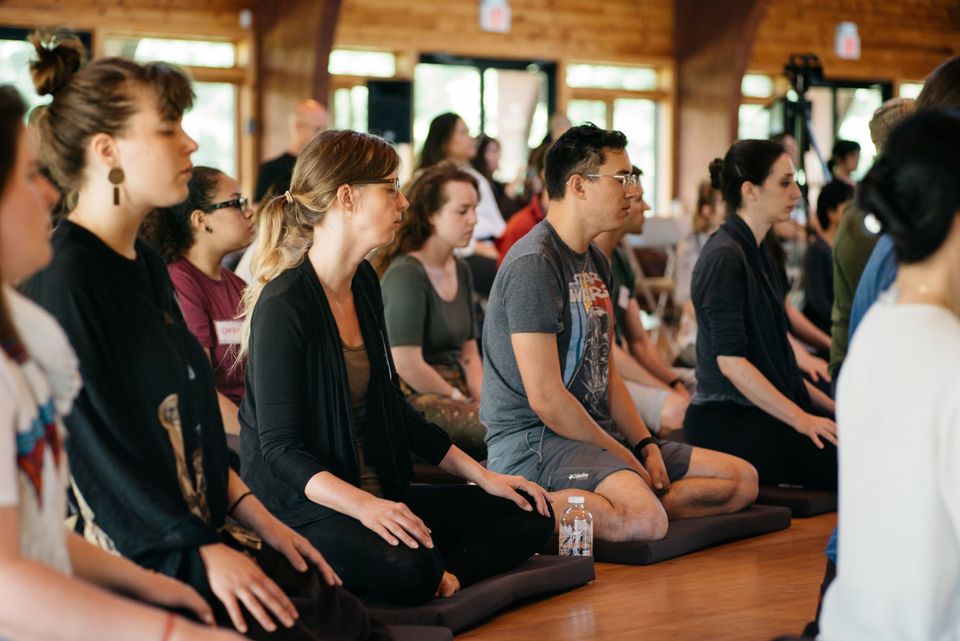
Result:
[{"x": 753, "y": 590}]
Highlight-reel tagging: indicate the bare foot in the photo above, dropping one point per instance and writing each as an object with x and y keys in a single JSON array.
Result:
[{"x": 449, "y": 585}]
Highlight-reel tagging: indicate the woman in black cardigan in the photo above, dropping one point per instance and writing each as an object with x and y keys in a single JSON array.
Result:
[
  {"x": 751, "y": 399},
  {"x": 326, "y": 433}
]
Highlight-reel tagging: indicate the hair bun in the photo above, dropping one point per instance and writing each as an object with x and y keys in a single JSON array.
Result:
[
  {"x": 59, "y": 56},
  {"x": 716, "y": 173}
]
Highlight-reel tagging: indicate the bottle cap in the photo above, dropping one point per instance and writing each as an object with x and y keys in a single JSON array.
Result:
[{"x": 575, "y": 500}]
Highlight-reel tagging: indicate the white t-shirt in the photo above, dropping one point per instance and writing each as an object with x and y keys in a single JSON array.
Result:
[
  {"x": 490, "y": 222},
  {"x": 33, "y": 464},
  {"x": 898, "y": 416}
]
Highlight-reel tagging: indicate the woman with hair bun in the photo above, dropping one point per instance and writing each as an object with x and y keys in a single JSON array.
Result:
[
  {"x": 751, "y": 398},
  {"x": 194, "y": 237},
  {"x": 326, "y": 433},
  {"x": 46, "y": 567},
  {"x": 898, "y": 406},
  {"x": 147, "y": 447}
]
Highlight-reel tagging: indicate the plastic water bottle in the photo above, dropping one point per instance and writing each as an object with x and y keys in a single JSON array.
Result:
[{"x": 576, "y": 529}]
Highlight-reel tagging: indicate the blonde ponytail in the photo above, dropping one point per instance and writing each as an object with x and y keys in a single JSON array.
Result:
[{"x": 286, "y": 222}]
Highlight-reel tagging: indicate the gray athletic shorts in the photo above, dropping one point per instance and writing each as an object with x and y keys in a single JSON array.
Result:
[{"x": 559, "y": 463}]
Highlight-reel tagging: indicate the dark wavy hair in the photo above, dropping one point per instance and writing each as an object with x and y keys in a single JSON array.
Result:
[
  {"x": 579, "y": 150},
  {"x": 439, "y": 134},
  {"x": 168, "y": 229},
  {"x": 427, "y": 196},
  {"x": 912, "y": 188},
  {"x": 12, "y": 110},
  {"x": 745, "y": 161}
]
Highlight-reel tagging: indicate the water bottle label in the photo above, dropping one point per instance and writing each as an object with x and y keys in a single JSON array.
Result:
[{"x": 576, "y": 538}]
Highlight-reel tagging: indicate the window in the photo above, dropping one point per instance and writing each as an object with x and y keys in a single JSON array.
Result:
[
  {"x": 754, "y": 122},
  {"x": 350, "y": 108},
  {"x": 505, "y": 99},
  {"x": 356, "y": 62},
  {"x": 194, "y": 53},
  {"x": 214, "y": 119},
  {"x": 853, "y": 123},
  {"x": 596, "y": 76},
  {"x": 15, "y": 58},
  {"x": 756, "y": 85},
  {"x": 910, "y": 89},
  {"x": 628, "y": 99}
]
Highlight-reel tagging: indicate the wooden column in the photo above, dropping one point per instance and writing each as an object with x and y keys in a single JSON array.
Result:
[
  {"x": 294, "y": 41},
  {"x": 713, "y": 43}
]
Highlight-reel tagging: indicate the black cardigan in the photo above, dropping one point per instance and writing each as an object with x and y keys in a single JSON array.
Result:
[
  {"x": 738, "y": 295},
  {"x": 296, "y": 418}
]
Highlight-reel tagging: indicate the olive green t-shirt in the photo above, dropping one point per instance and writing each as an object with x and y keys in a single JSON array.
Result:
[
  {"x": 416, "y": 315},
  {"x": 851, "y": 251}
]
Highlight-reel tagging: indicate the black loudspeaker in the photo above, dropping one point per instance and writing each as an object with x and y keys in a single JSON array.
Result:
[{"x": 389, "y": 106}]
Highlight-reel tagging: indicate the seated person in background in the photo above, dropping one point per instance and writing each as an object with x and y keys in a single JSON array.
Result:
[
  {"x": 818, "y": 261},
  {"x": 801, "y": 332},
  {"x": 326, "y": 432},
  {"x": 308, "y": 118},
  {"x": 54, "y": 584},
  {"x": 486, "y": 162},
  {"x": 897, "y": 401},
  {"x": 844, "y": 160},
  {"x": 193, "y": 238},
  {"x": 449, "y": 139},
  {"x": 659, "y": 394},
  {"x": 147, "y": 448},
  {"x": 428, "y": 305},
  {"x": 856, "y": 239},
  {"x": 555, "y": 406},
  {"x": 751, "y": 399},
  {"x": 527, "y": 218},
  {"x": 706, "y": 220}
]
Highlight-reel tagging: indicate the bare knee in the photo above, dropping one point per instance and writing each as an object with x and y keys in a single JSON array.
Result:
[
  {"x": 748, "y": 483},
  {"x": 635, "y": 513},
  {"x": 672, "y": 413}
]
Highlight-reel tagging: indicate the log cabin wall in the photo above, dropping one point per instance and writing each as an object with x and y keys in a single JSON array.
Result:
[{"x": 900, "y": 40}]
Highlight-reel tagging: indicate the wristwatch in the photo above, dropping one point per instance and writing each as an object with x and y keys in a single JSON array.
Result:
[{"x": 642, "y": 444}]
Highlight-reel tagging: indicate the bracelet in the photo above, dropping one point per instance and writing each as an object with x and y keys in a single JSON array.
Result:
[
  {"x": 638, "y": 448},
  {"x": 233, "y": 506},
  {"x": 168, "y": 628}
]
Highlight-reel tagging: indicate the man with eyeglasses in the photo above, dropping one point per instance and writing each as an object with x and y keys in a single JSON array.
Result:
[{"x": 554, "y": 405}]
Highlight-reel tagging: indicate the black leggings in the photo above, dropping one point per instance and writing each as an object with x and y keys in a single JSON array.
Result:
[
  {"x": 779, "y": 452},
  {"x": 475, "y": 536},
  {"x": 326, "y": 613}
]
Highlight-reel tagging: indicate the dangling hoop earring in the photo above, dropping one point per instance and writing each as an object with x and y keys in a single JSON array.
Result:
[{"x": 116, "y": 178}]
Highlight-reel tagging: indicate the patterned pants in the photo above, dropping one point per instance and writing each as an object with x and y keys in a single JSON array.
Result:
[{"x": 459, "y": 419}]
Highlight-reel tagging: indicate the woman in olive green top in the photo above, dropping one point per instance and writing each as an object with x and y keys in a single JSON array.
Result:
[{"x": 428, "y": 304}]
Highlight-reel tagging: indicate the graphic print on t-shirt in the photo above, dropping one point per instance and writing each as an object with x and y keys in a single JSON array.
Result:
[{"x": 586, "y": 371}]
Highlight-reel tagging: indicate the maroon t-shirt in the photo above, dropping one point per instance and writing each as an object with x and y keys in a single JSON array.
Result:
[{"x": 211, "y": 309}]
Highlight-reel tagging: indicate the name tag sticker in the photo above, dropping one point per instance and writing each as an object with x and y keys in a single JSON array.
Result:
[
  {"x": 228, "y": 331},
  {"x": 623, "y": 299}
]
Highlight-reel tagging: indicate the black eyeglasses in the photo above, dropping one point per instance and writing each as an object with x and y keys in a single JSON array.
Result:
[
  {"x": 240, "y": 203},
  {"x": 380, "y": 181}
]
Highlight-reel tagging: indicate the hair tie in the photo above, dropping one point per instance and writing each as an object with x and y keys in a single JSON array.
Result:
[{"x": 288, "y": 196}]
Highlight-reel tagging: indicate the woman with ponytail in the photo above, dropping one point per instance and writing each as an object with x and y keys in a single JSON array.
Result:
[
  {"x": 428, "y": 305},
  {"x": 44, "y": 566},
  {"x": 325, "y": 431},
  {"x": 147, "y": 446},
  {"x": 897, "y": 405},
  {"x": 194, "y": 237},
  {"x": 751, "y": 399}
]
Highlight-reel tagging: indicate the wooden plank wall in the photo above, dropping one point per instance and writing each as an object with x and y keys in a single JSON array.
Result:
[
  {"x": 900, "y": 39},
  {"x": 628, "y": 30}
]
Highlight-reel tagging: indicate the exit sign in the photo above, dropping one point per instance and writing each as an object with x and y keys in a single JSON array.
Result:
[
  {"x": 848, "y": 41},
  {"x": 495, "y": 16}
]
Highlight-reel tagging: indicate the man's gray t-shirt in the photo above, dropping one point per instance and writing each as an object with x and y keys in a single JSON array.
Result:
[{"x": 545, "y": 287}]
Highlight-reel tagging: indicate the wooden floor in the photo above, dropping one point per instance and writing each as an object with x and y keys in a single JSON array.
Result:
[{"x": 752, "y": 590}]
